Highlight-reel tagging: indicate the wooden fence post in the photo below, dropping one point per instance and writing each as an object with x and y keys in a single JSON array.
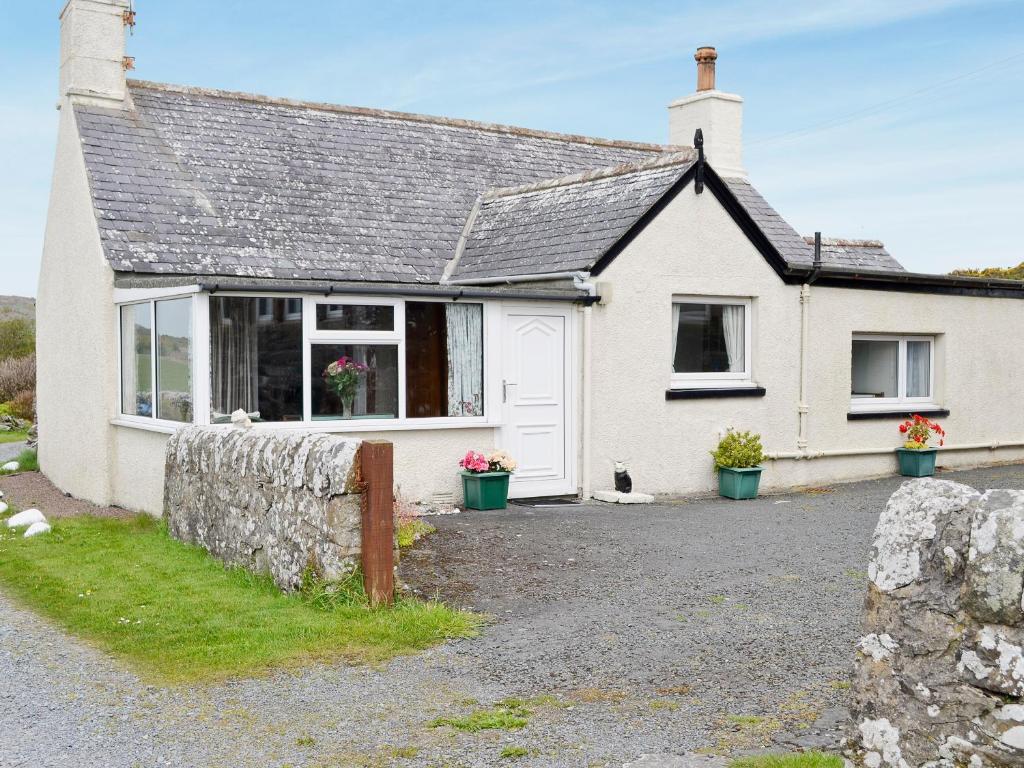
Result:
[{"x": 378, "y": 533}]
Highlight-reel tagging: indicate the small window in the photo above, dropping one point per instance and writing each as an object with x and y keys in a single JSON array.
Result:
[
  {"x": 355, "y": 317},
  {"x": 255, "y": 361},
  {"x": 444, "y": 359},
  {"x": 137, "y": 359},
  {"x": 711, "y": 343},
  {"x": 367, "y": 388},
  {"x": 156, "y": 349},
  {"x": 174, "y": 359},
  {"x": 890, "y": 371}
]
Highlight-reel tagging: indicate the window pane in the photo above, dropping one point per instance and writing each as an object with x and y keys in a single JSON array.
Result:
[
  {"x": 709, "y": 338},
  {"x": 875, "y": 368},
  {"x": 136, "y": 360},
  {"x": 369, "y": 388},
  {"x": 919, "y": 368},
  {"x": 355, "y": 317},
  {"x": 174, "y": 359},
  {"x": 444, "y": 359},
  {"x": 255, "y": 359}
]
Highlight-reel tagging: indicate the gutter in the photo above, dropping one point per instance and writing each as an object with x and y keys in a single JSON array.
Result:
[
  {"x": 329, "y": 289},
  {"x": 581, "y": 282},
  {"x": 509, "y": 279}
]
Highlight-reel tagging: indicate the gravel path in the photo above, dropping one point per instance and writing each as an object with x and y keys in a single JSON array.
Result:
[
  {"x": 651, "y": 629},
  {"x": 10, "y": 451}
]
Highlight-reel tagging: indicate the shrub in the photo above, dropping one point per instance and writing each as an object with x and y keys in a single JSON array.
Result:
[
  {"x": 23, "y": 406},
  {"x": 738, "y": 450},
  {"x": 17, "y": 375},
  {"x": 17, "y": 338}
]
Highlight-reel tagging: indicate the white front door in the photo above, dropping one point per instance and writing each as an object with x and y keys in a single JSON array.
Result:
[{"x": 535, "y": 394}]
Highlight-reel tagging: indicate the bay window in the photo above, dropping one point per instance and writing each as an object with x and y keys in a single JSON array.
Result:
[
  {"x": 711, "y": 342},
  {"x": 891, "y": 371}
]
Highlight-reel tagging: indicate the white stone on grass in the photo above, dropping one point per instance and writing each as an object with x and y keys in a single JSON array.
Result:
[
  {"x": 11, "y": 466},
  {"x": 37, "y": 528},
  {"x": 28, "y": 517},
  {"x": 3, "y": 508}
]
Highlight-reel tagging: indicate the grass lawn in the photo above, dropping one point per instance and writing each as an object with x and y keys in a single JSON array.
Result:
[
  {"x": 13, "y": 437},
  {"x": 178, "y": 615},
  {"x": 27, "y": 462},
  {"x": 802, "y": 760}
]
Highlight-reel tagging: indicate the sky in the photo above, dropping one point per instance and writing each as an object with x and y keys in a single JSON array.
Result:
[{"x": 898, "y": 121}]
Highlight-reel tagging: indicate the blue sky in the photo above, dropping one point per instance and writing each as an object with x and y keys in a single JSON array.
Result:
[{"x": 902, "y": 121}]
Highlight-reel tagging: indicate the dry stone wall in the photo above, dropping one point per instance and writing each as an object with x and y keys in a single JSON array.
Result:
[
  {"x": 939, "y": 674},
  {"x": 270, "y": 501}
]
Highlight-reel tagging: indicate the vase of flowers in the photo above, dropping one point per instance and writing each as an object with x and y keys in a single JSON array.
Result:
[
  {"x": 916, "y": 457},
  {"x": 738, "y": 464},
  {"x": 485, "y": 479},
  {"x": 343, "y": 377}
]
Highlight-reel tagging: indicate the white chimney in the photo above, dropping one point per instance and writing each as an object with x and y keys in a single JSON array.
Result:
[
  {"x": 718, "y": 115},
  {"x": 92, "y": 60}
]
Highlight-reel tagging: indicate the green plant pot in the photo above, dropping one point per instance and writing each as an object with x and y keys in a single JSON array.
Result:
[
  {"x": 739, "y": 482},
  {"x": 485, "y": 490},
  {"x": 917, "y": 462}
]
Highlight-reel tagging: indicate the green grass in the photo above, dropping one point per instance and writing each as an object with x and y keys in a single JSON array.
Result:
[
  {"x": 802, "y": 760},
  {"x": 507, "y": 715},
  {"x": 514, "y": 752},
  {"x": 13, "y": 437},
  {"x": 27, "y": 462},
  {"x": 178, "y": 615},
  {"x": 408, "y": 532}
]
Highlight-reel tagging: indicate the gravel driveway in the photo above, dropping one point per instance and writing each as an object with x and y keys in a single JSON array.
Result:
[{"x": 654, "y": 629}]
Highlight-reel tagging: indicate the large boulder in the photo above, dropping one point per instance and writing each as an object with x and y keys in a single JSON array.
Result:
[{"x": 939, "y": 672}]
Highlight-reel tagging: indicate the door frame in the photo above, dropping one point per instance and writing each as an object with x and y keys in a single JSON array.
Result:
[{"x": 570, "y": 379}]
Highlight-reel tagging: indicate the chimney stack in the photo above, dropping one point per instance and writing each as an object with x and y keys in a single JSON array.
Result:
[
  {"x": 92, "y": 60},
  {"x": 719, "y": 116},
  {"x": 705, "y": 58}
]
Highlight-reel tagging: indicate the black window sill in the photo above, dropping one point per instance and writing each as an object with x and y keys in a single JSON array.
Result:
[
  {"x": 866, "y": 415},
  {"x": 701, "y": 394}
]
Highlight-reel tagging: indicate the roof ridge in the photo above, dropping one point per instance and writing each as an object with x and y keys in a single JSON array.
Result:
[
  {"x": 663, "y": 161},
  {"x": 809, "y": 239},
  {"x": 452, "y": 122}
]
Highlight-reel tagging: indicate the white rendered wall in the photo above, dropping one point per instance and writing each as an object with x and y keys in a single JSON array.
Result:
[
  {"x": 75, "y": 339},
  {"x": 693, "y": 247}
]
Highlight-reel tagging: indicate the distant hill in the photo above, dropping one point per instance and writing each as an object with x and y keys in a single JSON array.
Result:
[{"x": 13, "y": 307}]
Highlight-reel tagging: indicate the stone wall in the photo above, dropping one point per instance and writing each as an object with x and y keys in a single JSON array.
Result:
[
  {"x": 939, "y": 674},
  {"x": 270, "y": 501}
]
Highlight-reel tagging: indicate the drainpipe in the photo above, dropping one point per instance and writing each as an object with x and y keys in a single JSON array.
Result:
[
  {"x": 581, "y": 282},
  {"x": 807, "y": 455},
  {"x": 805, "y": 342}
]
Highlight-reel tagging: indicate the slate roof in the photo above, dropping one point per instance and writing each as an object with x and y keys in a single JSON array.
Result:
[
  {"x": 856, "y": 254},
  {"x": 564, "y": 224},
  {"x": 210, "y": 183}
]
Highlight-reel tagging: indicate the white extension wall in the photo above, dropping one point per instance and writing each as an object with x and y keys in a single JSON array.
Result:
[{"x": 694, "y": 247}]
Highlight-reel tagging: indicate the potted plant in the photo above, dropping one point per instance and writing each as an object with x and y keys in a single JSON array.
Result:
[
  {"x": 485, "y": 479},
  {"x": 738, "y": 463},
  {"x": 916, "y": 458},
  {"x": 343, "y": 377}
]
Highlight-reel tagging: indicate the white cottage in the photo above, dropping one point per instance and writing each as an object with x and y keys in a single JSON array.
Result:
[{"x": 572, "y": 300}]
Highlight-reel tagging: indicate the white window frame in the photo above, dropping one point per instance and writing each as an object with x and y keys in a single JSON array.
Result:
[
  {"x": 726, "y": 379},
  {"x": 150, "y": 296},
  {"x": 901, "y": 401}
]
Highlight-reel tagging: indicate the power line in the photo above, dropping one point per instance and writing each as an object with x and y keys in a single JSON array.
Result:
[{"x": 881, "y": 106}]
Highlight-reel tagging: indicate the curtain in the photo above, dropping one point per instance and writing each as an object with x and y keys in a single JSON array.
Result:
[
  {"x": 918, "y": 369},
  {"x": 675, "y": 334},
  {"x": 732, "y": 327},
  {"x": 465, "y": 359},
  {"x": 233, "y": 355}
]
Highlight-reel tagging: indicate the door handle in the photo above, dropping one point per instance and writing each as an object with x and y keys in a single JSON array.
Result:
[{"x": 504, "y": 389}]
